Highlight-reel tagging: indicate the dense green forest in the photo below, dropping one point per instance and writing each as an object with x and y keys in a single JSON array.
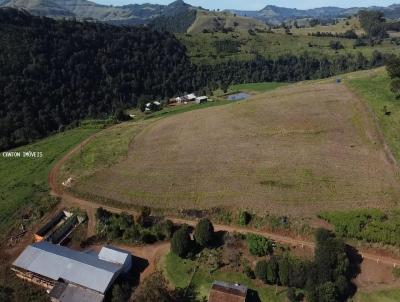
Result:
[{"x": 55, "y": 73}]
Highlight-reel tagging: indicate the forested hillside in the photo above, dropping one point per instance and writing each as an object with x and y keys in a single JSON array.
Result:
[{"x": 54, "y": 73}]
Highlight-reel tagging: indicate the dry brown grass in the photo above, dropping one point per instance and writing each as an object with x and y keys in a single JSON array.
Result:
[{"x": 297, "y": 150}]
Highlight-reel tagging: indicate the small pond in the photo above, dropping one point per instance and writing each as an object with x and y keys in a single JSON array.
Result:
[{"x": 238, "y": 96}]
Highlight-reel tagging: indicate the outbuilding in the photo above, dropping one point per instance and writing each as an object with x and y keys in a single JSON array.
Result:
[
  {"x": 227, "y": 292},
  {"x": 69, "y": 274}
]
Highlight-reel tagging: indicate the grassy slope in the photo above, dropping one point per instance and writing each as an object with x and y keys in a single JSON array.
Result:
[
  {"x": 24, "y": 180},
  {"x": 374, "y": 89},
  {"x": 112, "y": 145},
  {"x": 392, "y": 295},
  {"x": 340, "y": 27},
  {"x": 179, "y": 272},
  {"x": 202, "y": 51},
  {"x": 209, "y": 20}
]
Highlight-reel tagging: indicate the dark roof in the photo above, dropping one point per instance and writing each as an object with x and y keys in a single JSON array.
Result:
[
  {"x": 226, "y": 292},
  {"x": 65, "y": 292}
]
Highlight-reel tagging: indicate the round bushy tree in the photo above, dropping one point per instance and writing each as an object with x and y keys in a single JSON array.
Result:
[
  {"x": 259, "y": 245},
  {"x": 181, "y": 242},
  {"x": 204, "y": 232}
]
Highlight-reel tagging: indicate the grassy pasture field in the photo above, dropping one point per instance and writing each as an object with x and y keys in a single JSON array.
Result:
[
  {"x": 213, "y": 20},
  {"x": 392, "y": 295},
  {"x": 374, "y": 88},
  {"x": 24, "y": 186},
  {"x": 340, "y": 27},
  {"x": 202, "y": 50},
  {"x": 301, "y": 149}
]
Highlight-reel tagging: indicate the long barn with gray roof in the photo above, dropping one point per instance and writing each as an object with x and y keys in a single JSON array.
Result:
[{"x": 47, "y": 264}]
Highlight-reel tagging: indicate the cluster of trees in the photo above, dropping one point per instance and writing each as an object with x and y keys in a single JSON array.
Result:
[
  {"x": 327, "y": 278},
  {"x": 287, "y": 68},
  {"x": 393, "y": 69},
  {"x": 336, "y": 45},
  {"x": 348, "y": 34},
  {"x": 55, "y": 73},
  {"x": 374, "y": 24},
  {"x": 183, "y": 246},
  {"x": 371, "y": 225},
  {"x": 122, "y": 227}
]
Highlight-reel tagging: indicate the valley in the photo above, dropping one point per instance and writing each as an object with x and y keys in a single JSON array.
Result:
[{"x": 169, "y": 152}]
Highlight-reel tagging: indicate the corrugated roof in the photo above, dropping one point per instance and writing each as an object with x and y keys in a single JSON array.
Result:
[
  {"x": 226, "y": 292},
  {"x": 57, "y": 262},
  {"x": 114, "y": 255}
]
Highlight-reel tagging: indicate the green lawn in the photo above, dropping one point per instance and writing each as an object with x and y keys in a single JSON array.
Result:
[
  {"x": 392, "y": 295},
  {"x": 103, "y": 151},
  {"x": 257, "y": 87},
  {"x": 374, "y": 88},
  {"x": 179, "y": 272},
  {"x": 23, "y": 181}
]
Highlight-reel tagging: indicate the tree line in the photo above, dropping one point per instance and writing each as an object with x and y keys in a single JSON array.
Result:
[{"x": 54, "y": 74}]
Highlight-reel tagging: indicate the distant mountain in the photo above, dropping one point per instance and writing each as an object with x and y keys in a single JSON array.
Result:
[
  {"x": 133, "y": 14},
  {"x": 275, "y": 14}
]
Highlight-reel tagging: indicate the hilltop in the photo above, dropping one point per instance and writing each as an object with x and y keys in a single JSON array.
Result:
[
  {"x": 133, "y": 14},
  {"x": 276, "y": 15},
  {"x": 136, "y": 14}
]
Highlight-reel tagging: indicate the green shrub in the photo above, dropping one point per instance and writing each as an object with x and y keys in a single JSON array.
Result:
[
  {"x": 244, "y": 218},
  {"x": 395, "y": 87},
  {"x": 396, "y": 272},
  {"x": 204, "y": 232},
  {"x": 259, "y": 245},
  {"x": 181, "y": 242},
  {"x": 261, "y": 270}
]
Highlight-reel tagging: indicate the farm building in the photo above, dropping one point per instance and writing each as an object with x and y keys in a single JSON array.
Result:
[
  {"x": 226, "y": 292},
  {"x": 190, "y": 97},
  {"x": 71, "y": 275},
  {"x": 59, "y": 227},
  {"x": 154, "y": 106},
  {"x": 201, "y": 99}
]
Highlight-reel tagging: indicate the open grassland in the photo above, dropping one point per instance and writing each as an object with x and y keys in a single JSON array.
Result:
[
  {"x": 252, "y": 88},
  {"x": 24, "y": 188},
  {"x": 112, "y": 144},
  {"x": 217, "y": 20},
  {"x": 180, "y": 271},
  {"x": 374, "y": 88},
  {"x": 338, "y": 28},
  {"x": 297, "y": 150},
  {"x": 103, "y": 151},
  {"x": 392, "y": 295},
  {"x": 202, "y": 47}
]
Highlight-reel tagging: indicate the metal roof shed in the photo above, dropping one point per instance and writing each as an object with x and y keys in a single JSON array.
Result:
[
  {"x": 118, "y": 256},
  {"x": 57, "y": 262}
]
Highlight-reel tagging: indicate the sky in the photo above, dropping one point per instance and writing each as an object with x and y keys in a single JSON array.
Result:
[{"x": 259, "y": 4}]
